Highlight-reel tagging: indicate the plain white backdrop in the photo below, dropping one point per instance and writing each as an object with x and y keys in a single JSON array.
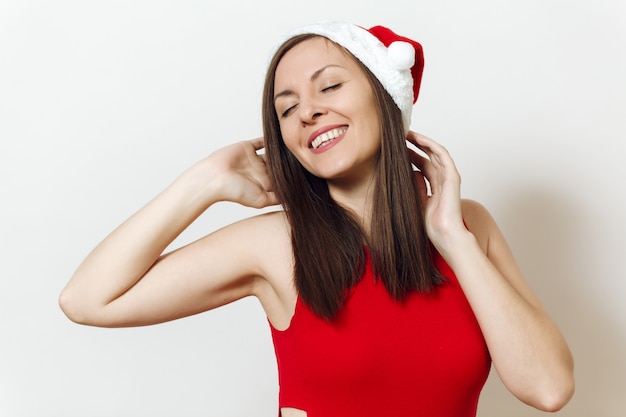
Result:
[{"x": 103, "y": 103}]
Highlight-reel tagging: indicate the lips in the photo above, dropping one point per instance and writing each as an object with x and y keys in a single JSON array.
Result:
[{"x": 327, "y": 137}]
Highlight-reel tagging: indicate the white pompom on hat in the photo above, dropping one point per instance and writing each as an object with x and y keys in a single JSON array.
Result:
[{"x": 396, "y": 61}]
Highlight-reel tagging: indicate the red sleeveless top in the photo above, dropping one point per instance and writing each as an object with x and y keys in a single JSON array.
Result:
[{"x": 380, "y": 357}]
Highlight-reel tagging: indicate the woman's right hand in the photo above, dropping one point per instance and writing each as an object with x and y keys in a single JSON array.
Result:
[
  {"x": 236, "y": 173},
  {"x": 127, "y": 280}
]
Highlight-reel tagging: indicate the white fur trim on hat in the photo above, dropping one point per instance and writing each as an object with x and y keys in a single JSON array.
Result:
[{"x": 391, "y": 66}]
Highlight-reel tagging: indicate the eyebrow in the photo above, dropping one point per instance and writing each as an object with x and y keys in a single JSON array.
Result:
[{"x": 314, "y": 77}]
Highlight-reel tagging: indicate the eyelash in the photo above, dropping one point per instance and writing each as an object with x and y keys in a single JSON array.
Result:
[
  {"x": 324, "y": 90},
  {"x": 286, "y": 112},
  {"x": 331, "y": 87}
]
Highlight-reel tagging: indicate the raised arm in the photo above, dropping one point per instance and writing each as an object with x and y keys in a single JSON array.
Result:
[
  {"x": 528, "y": 351},
  {"x": 127, "y": 281}
]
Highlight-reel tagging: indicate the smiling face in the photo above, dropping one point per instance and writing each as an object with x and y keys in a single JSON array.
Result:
[{"x": 327, "y": 111}]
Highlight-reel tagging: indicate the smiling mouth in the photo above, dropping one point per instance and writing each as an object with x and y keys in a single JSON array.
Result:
[{"x": 327, "y": 137}]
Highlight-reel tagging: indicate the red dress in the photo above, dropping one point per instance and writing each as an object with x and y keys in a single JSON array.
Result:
[{"x": 379, "y": 357}]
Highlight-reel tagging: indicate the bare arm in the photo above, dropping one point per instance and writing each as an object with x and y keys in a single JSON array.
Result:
[
  {"x": 528, "y": 351},
  {"x": 126, "y": 280}
]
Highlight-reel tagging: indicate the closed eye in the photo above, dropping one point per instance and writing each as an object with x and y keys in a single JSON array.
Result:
[
  {"x": 331, "y": 88},
  {"x": 288, "y": 111}
]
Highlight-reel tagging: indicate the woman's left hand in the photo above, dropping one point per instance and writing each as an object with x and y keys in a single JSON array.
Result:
[
  {"x": 442, "y": 208},
  {"x": 527, "y": 349}
]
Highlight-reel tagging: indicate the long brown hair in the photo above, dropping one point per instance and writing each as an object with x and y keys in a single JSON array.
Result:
[{"x": 328, "y": 242}]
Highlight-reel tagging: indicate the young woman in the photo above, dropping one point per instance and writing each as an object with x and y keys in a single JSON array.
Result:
[{"x": 383, "y": 298}]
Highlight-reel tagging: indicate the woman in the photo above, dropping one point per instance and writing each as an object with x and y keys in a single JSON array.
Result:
[{"x": 382, "y": 300}]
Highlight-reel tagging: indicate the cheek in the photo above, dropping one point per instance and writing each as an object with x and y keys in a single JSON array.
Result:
[
  {"x": 289, "y": 136},
  {"x": 292, "y": 143},
  {"x": 369, "y": 112}
]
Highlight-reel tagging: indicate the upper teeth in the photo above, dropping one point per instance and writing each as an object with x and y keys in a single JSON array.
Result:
[{"x": 327, "y": 137}]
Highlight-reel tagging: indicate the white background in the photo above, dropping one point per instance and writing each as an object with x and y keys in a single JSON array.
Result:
[{"x": 104, "y": 103}]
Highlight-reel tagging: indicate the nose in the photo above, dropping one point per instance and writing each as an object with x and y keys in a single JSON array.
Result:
[{"x": 311, "y": 110}]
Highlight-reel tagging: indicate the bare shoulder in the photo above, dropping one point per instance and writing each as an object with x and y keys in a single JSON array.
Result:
[
  {"x": 269, "y": 239},
  {"x": 479, "y": 221},
  {"x": 493, "y": 243},
  {"x": 273, "y": 236},
  {"x": 270, "y": 221},
  {"x": 265, "y": 237},
  {"x": 251, "y": 247}
]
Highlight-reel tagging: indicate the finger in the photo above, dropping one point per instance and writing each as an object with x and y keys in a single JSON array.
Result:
[
  {"x": 419, "y": 140},
  {"x": 438, "y": 155},
  {"x": 416, "y": 159},
  {"x": 411, "y": 137},
  {"x": 260, "y": 175},
  {"x": 266, "y": 183},
  {"x": 421, "y": 143},
  {"x": 428, "y": 145},
  {"x": 422, "y": 163},
  {"x": 272, "y": 198},
  {"x": 268, "y": 198},
  {"x": 258, "y": 143}
]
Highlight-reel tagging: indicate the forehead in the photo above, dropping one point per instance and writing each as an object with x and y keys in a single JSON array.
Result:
[{"x": 310, "y": 55}]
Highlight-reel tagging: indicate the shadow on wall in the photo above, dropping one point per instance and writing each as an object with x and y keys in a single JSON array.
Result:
[{"x": 560, "y": 251}]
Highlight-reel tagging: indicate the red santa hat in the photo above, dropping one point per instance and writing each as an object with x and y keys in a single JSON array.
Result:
[{"x": 396, "y": 61}]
